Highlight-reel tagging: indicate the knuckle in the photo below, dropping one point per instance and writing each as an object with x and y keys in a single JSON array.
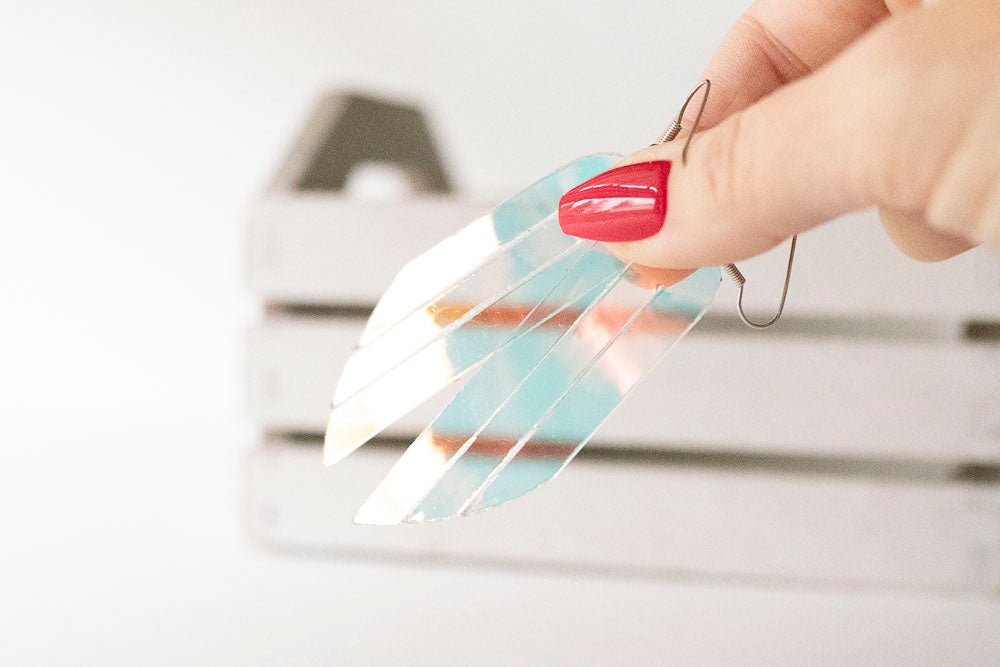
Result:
[
  {"x": 719, "y": 170},
  {"x": 899, "y": 164}
]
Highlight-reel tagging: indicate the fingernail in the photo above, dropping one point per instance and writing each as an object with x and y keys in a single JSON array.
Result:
[{"x": 626, "y": 203}]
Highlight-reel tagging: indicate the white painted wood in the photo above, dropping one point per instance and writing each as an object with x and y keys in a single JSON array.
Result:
[
  {"x": 923, "y": 401},
  {"x": 321, "y": 249},
  {"x": 658, "y": 521},
  {"x": 329, "y": 249}
]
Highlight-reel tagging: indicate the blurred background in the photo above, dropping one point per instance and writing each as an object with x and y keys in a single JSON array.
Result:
[{"x": 162, "y": 381}]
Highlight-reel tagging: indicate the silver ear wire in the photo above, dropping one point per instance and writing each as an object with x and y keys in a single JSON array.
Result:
[
  {"x": 674, "y": 128},
  {"x": 734, "y": 274},
  {"x": 737, "y": 278}
]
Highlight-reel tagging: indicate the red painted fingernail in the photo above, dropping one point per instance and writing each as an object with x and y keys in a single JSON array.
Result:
[{"x": 624, "y": 204}]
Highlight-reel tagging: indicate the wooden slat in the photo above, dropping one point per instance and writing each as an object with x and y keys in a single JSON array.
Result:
[
  {"x": 936, "y": 401},
  {"x": 322, "y": 249},
  {"x": 660, "y": 521},
  {"x": 325, "y": 249}
]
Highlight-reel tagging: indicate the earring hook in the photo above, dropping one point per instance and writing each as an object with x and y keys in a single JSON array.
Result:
[{"x": 731, "y": 270}]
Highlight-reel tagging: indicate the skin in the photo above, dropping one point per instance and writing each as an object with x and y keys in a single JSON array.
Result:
[{"x": 822, "y": 107}]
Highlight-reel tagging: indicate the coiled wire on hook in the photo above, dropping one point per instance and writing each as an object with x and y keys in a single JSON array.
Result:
[{"x": 669, "y": 134}]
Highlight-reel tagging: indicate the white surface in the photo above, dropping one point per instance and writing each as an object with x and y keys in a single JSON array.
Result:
[{"x": 121, "y": 559}]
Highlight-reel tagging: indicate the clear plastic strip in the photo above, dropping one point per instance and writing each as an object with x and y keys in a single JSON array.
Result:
[
  {"x": 551, "y": 399},
  {"x": 420, "y": 376},
  {"x": 543, "y": 452},
  {"x": 447, "y": 439},
  {"x": 546, "y": 384},
  {"x": 522, "y": 262},
  {"x": 433, "y": 274}
]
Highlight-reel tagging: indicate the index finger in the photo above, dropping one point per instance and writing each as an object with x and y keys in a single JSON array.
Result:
[{"x": 777, "y": 41}]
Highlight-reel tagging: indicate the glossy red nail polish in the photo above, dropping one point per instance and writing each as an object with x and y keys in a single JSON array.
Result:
[{"x": 626, "y": 203}]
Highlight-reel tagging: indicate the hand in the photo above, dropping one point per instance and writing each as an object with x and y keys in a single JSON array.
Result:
[{"x": 820, "y": 108}]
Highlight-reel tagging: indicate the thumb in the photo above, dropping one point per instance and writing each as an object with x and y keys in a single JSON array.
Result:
[{"x": 801, "y": 156}]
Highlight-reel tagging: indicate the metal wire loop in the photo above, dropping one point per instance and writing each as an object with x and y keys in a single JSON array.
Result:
[{"x": 784, "y": 292}]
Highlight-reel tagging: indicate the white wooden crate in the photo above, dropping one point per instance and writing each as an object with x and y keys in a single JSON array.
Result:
[
  {"x": 662, "y": 521},
  {"x": 931, "y": 401},
  {"x": 871, "y": 368}
]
